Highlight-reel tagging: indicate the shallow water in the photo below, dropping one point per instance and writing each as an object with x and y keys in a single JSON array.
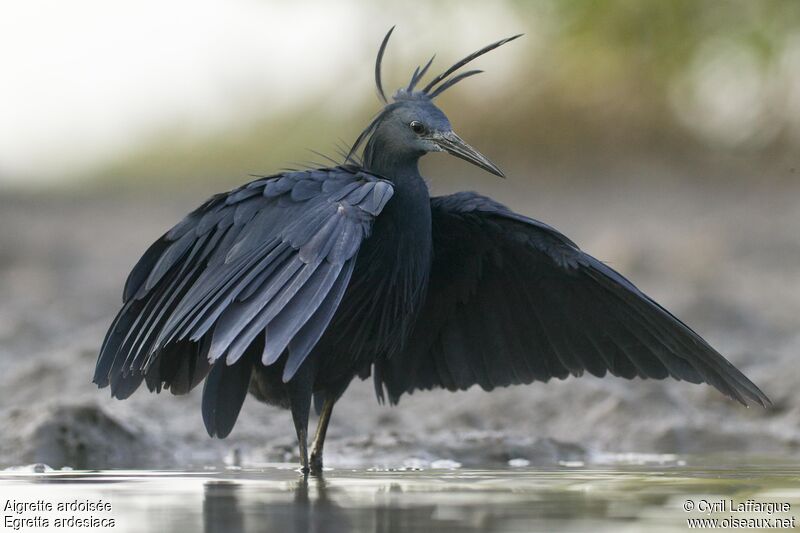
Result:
[{"x": 276, "y": 498}]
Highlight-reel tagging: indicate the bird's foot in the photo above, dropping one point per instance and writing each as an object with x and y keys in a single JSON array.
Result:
[
  {"x": 315, "y": 463},
  {"x": 304, "y": 464}
]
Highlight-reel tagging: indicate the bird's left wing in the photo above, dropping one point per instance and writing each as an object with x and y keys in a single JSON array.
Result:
[
  {"x": 511, "y": 301},
  {"x": 259, "y": 269}
]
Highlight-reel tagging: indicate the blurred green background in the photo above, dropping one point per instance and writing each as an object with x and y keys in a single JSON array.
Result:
[{"x": 143, "y": 92}]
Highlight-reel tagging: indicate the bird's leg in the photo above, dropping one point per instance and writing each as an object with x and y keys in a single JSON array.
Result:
[
  {"x": 319, "y": 437},
  {"x": 300, "y": 402}
]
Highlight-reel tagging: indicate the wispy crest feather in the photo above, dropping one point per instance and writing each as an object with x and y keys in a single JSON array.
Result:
[
  {"x": 378, "y": 61},
  {"x": 430, "y": 90},
  {"x": 444, "y": 81}
]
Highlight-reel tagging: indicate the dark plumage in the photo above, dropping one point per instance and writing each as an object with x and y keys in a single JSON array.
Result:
[{"x": 292, "y": 285}]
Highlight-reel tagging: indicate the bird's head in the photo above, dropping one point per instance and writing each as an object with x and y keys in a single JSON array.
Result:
[{"x": 411, "y": 125}]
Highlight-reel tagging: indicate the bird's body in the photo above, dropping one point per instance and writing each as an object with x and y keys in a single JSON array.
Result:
[
  {"x": 294, "y": 284},
  {"x": 381, "y": 302}
]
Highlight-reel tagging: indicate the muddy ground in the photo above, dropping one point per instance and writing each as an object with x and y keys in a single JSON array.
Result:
[{"x": 723, "y": 257}]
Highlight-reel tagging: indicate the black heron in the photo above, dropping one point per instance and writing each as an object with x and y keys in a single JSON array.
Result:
[{"x": 292, "y": 285}]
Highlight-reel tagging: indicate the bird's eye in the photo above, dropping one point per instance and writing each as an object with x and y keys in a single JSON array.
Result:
[{"x": 417, "y": 127}]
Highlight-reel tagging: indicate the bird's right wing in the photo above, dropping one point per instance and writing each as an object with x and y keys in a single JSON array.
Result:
[
  {"x": 511, "y": 300},
  {"x": 250, "y": 275}
]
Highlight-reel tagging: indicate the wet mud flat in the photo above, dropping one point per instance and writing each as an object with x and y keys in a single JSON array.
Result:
[{"x": 276, "y": 498}]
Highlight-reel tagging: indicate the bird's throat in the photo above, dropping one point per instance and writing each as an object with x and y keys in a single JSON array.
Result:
[{"x": 385, "y": 160}]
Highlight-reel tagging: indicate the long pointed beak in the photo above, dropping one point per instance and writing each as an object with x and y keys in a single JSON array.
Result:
[{"x": 455, "y": 145}]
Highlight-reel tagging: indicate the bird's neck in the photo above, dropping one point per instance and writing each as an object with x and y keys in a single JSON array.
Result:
[
  {"x": 409, "y": 211},
  {"x": 399, "y": 252},
  {"x": 383, "y": 159}
]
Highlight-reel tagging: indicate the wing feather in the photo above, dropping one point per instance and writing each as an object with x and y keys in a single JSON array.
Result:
[
  {"x": 264, "y": 265},
  {"x": 511, "y": 301}
]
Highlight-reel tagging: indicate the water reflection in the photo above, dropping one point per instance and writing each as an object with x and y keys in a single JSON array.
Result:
[
  {"x": 276, "y": 499},
  {"x": 314, "y": 507},
  {"x": 230, "y": 506},
  {"x": 471, "y": 501},
  {"x": 449, "y": 503},
  {"x": 221, "y": 508}
]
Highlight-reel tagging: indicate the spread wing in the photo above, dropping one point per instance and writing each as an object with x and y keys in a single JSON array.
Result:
[
  {"x": 513, "y": 301},
  {"x": 249, "y": 275}
]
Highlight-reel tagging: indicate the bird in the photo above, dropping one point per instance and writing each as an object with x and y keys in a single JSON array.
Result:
[{"x": 294, "y": 284}]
